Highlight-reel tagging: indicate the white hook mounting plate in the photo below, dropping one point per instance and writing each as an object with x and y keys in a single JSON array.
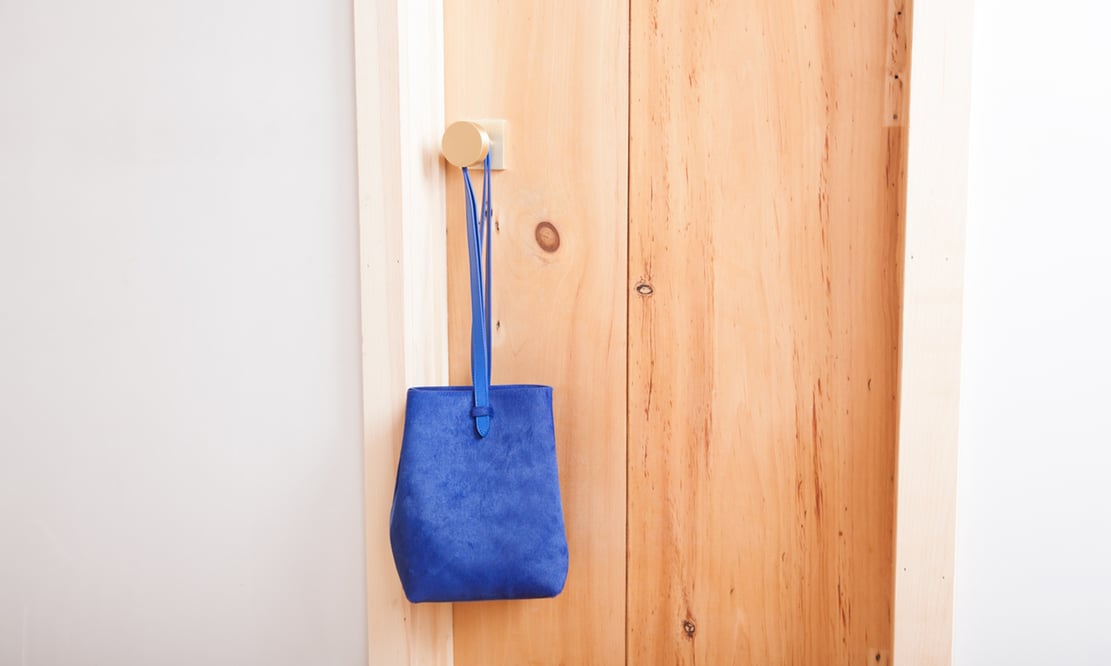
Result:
[{"x": 496, "y": 128}]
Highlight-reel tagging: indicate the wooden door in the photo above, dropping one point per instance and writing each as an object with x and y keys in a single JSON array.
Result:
[
  {"x": 764, "y": 195},
  {"x": 697, "y": 245}
]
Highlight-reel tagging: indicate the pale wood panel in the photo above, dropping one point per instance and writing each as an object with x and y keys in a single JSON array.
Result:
[
  {"x": 765, "y": 190},
  {"x": 558, "y": 72},
  {"x": 399, "y": 100},
  {"x": 937, "y": 174}
]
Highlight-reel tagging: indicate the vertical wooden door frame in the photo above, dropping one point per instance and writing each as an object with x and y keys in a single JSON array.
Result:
[
  {"x": 933, "y": 282},
  {"x": 399, "y": 99}
]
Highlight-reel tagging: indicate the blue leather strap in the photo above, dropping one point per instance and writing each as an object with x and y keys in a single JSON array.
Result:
[
  {"x": 488, "y": 224},
  {"x": 478, "y": 243}
]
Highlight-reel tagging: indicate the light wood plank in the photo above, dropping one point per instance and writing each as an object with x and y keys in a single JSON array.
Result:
[
  {"x": 765, "y": 191},
  {"x": 933, "y": 287},
  {"x": 558, "y": 72},
  {"x": 399, "y": 98}
]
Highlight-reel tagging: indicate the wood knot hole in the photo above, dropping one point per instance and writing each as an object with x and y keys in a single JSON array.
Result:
[
  {"x": 644, "y": 289},
  {"x": 688, "y": 628},
  {"x": 547, "y": 236}
]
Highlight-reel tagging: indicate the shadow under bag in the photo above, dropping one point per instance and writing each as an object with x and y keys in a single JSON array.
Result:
[{"x": 476, "y": 510}]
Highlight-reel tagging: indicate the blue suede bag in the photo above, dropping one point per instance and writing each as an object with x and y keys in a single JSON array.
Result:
[{"x": 476, "y": 511}]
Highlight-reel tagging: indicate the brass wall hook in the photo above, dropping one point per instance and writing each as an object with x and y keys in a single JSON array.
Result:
[{"x": 466, "y": 143}]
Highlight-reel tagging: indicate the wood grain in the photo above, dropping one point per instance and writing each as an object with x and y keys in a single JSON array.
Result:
[
  {"x": 558, "y": 72},
  {"x": 399, "y": 101},
  {"x": 898, "y": 63},
  {"x": 937, "y": 183},
  {"x": 765, "y": 192}
]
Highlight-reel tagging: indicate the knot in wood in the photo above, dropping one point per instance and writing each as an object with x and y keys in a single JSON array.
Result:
[{"x": 547, "y": 236}]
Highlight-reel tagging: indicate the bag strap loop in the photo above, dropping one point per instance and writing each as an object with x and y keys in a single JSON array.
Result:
[{"x": 478, "y": 244}]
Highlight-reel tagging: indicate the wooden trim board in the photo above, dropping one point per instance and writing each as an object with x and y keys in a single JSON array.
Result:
[
  {"x": 399, "y": 106},
  {"x": 937, "y": 174}
]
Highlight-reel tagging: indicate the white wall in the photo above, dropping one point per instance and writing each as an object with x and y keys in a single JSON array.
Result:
[
  {"x": 180, "y": 454},
  {"x": 1033, "y": 575}
]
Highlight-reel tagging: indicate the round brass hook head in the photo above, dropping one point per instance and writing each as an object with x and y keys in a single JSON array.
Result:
[{"x": 465, "y": 143}]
